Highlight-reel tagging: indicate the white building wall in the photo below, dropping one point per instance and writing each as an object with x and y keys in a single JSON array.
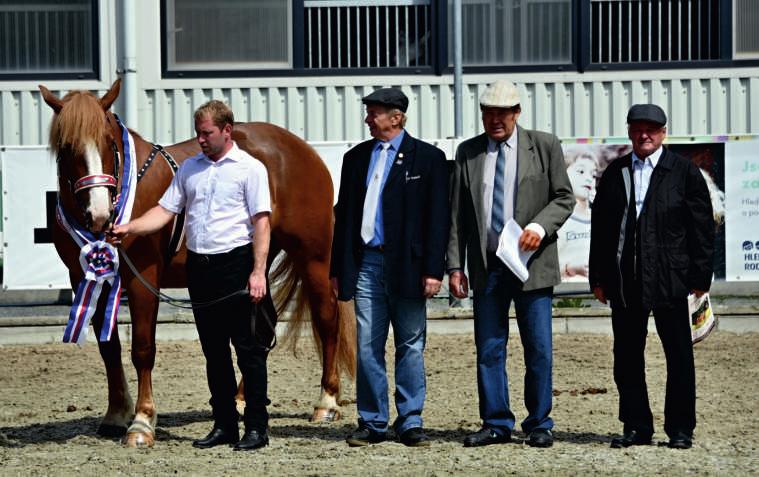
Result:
[{"x": 719, "y": 101}]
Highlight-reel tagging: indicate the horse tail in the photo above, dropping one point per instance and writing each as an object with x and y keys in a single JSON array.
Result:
[
  {"x": 346, "y": 338},
  {"x": 288, "y": 295}
]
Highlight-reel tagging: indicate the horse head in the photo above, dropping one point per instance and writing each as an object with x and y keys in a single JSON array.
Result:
[{"x": 86, "y": 139}]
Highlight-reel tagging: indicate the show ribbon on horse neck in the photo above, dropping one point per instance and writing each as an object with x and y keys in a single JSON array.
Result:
[{"x": 98, "y": 258}]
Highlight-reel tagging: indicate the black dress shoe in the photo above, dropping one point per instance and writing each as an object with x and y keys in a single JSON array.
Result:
[
  {"x": 680, "y": 440},
  {"x": 631, "y": 438},
  {"x": 252, "y": 439},
  {"x": 485, "y": 437},
  {"x": 414, "y": 437},
  {"x": 217, "y": 436},
  {"x": 363, "y": 436},
  {"x": 540, "y": 438}
]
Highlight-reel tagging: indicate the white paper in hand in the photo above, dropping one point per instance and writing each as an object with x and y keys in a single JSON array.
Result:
[{"x": 509, "y": 252}]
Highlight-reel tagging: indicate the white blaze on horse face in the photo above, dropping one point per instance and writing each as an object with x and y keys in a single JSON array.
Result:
[{"x": 99, "y": 207}]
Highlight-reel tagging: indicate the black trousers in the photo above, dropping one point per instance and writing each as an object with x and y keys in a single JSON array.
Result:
[
  {"x": 210, "y": 277},
  {"x": 630, "y": 329}
]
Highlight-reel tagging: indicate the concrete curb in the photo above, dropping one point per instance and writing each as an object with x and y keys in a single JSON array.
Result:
[{"x": 179, "y": 326}]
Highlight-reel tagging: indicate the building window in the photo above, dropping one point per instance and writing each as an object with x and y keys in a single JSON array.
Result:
[
  {"x": 634, "y": 31},
  {"x": 367, "y": 34},
  {"x": 228, "y": 34},
  {"x": 513, "y": 32},
  {"x": 745, "y": 31},
  {"x": 48, "y": 38}
]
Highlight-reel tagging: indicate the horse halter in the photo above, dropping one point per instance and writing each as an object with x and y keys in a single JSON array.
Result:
[{"x": 100, "y": 180}]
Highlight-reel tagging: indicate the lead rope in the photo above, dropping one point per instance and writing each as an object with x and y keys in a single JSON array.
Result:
[{"x": 190, "y": 305}]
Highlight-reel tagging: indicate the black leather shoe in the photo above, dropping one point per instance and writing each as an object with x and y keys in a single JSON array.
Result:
[
  {"x": 364, "y": 436},
  {"x": 414, "y": 437},
  {"x": 485, "y": 437},
  {"x": 540, "y": 438},
  {"x": 631, "y": 438},
  {"x": 680, "y": 440},
  {"x": 217, "y": 436},
  {"x": 252, "y": 440}
]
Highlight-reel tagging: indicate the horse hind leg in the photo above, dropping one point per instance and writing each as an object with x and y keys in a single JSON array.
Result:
[{"x": 334, "y": 336}]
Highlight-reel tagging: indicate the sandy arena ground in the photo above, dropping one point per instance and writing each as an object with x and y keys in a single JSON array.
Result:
[{"x": 52, "y": 397}]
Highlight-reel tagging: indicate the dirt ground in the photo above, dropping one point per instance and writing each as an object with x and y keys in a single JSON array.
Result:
[{"x": 52, "y": 397}]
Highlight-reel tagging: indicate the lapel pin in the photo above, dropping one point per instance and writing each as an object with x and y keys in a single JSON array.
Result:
[{"x": 400, "y": 159}]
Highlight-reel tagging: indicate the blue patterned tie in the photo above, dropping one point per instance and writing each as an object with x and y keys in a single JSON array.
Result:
[{"x": 496, "y": 219}]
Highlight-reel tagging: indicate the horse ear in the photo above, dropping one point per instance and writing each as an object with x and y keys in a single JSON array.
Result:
[
  {"x": 52, "y": 100},
  {"x": 113, "y": 93}
]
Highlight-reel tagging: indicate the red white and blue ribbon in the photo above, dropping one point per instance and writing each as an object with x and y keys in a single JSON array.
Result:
[{"x": 98, "y": 258}]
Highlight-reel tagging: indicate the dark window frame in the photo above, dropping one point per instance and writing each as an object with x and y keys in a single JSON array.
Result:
[
  {"x": 94, "y": 73},
  {"x": 580, "y": 52}
]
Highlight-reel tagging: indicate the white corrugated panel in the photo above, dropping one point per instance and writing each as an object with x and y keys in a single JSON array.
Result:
[{"x": 698, "y": 102}]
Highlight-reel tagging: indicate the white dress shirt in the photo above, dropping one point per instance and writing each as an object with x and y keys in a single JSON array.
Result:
[
  {"x": 219, "y": 199},
  {"x": 642, "y": 170}
]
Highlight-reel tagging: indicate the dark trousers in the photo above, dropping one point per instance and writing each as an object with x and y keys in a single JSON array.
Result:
[
  {"x": 630, "y": 329},
  {"x": 210, "y": 277}
]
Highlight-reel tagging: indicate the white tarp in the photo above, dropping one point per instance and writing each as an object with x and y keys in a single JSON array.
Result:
[
  {"x": 30, "y": 261},
  {"x": 29, "y": 186},
  {"x": 742, "y": 211}
]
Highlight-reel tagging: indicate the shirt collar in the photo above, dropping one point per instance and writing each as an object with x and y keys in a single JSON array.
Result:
[
  {"x": 395, "y": 143},
  {"x": 232, "y": 155},
  {"x": 511, "y": 141},
  {"x": 654, "y": 158}
]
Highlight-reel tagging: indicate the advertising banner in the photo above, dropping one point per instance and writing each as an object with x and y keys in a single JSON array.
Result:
[{"x": 742, "y": 210}]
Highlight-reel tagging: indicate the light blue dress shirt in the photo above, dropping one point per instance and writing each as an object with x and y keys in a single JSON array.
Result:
[
  {"x": 395, "y": 144},
  {"x": 642, "y": 170}
]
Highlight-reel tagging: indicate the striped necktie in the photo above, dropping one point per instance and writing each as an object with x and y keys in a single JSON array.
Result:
[{"x": 496, "y": 218}]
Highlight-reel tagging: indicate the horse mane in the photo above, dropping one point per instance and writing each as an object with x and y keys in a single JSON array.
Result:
[{"x": 79, "y": 122}]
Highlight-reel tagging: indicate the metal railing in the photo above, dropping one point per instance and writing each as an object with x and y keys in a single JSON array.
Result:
[
  {"x": 638, "y": 31},
  {"x": 368, "y": 34}
]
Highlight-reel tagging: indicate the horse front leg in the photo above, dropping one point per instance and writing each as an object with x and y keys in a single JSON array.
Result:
[
  {"x": 143, "y": 307},
  {"x": 120, "y": 406}
]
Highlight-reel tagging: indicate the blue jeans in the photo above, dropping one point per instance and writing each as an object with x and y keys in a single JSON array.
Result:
[
  {"x": 376, "y": 309},
  {"x": 491, "y": 332}
]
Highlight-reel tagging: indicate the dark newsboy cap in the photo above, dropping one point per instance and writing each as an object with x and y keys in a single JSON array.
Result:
[
  {"x": 646, "y": 112},
  {"x": 390, "y": 97}
]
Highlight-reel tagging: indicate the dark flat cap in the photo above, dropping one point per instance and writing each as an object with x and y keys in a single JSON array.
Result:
[
  {"x": 390, "y": 97},
  {"x": 646, "y": 112}
]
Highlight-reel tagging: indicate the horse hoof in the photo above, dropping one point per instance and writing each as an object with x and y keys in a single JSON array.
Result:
[
  {"x": 111, "y": 430},
  {"x": 325, "y": 415},
  {"x": 138, "y": 439}
]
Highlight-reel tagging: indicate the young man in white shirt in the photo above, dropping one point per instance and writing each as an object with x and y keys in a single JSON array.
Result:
[{"x": 225, "y": 195}]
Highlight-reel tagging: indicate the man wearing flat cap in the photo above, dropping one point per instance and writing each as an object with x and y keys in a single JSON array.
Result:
[
  {"x": 651, "y": 244},
  {"x": 509, "y": 173},
  {"x": 388, "y": 255}
]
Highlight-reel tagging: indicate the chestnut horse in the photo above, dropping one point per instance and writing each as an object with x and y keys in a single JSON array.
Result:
[{"x": 87, "y": 137}]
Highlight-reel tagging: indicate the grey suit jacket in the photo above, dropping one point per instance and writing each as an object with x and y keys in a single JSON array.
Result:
[{"x": 544, "y": 196}]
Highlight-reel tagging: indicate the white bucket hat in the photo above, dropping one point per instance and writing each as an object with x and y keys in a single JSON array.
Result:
[{"x": 500, "y": 94}]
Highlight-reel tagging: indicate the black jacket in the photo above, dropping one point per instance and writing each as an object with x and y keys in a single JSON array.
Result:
[
  {"x": 415, "y": 217},
  {"x": 676, "y": 231}
]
